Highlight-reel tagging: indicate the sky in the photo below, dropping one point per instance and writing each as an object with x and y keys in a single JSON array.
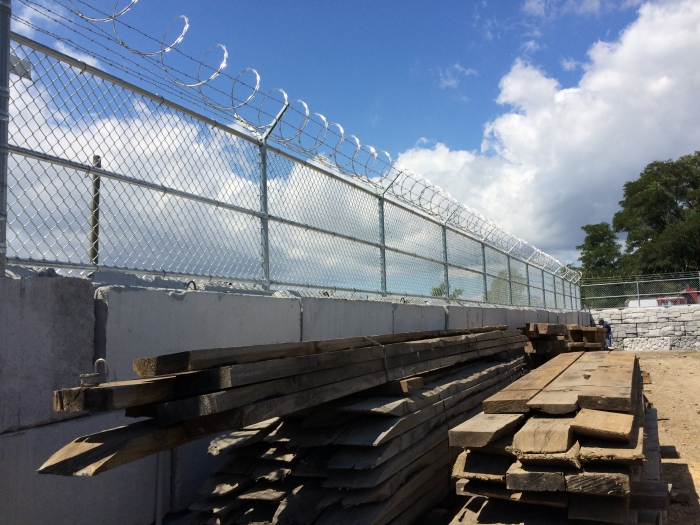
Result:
[{"x": 533, "y": 112}]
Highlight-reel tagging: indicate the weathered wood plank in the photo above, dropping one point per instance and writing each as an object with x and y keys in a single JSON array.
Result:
[
  {"x": 514, "y": 398},
  {"x": 538, "y": 478},
  {"x": 483, "y": 429},
  {"x": 499, "y": 492},
  {"x": 597, "y": 480},
  {"x": 217, "y": 357},
  {"x": 604, "y": 425},
  {"x": 611, "y": 384},
  {"x": 540, "y": 435},
  {"x": 484, "y": 467}
]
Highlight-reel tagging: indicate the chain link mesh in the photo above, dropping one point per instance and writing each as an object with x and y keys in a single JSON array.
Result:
[
  {"x": 105, "y": 177},
  {"x": 641, "y": 291}
]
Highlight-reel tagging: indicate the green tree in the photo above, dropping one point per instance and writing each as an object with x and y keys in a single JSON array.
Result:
[
  {"x": 600, "y": 251},
  {"x": 661, "y": 216},
  {"x": 439, "y": 291}
]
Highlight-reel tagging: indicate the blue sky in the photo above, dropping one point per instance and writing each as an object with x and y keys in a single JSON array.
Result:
[{"x": 534, "y": 112}]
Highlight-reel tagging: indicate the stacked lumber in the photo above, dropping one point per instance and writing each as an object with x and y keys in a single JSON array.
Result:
[
  {"x": 591, "y": 338},
  {"x": 545, "y": 338},
  {"x": 372, "y": 458},
  {"x": 574, "y": 434},
  {"x": 189, "y": 395}
]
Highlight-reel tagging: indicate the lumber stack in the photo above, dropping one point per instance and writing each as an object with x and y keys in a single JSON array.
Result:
[
  {"x": 372, "y": 458},
  {"x": 189, "y": 395},
  {"x": 574, "y": 434},
  {"x": 592, "y": 337},
  {"x": 548, "y": 340}
]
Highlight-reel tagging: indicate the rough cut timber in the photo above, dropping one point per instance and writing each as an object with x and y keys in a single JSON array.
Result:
[
  {"x": 515, "y": 397},
  {"x": 483, "y": 429},
  {"x": 611, "y": 385},
  {"x": 535, "y": 478},
  {"x": 604, "y": 425},
  {"x": 541, "y": 435},
  {"x": 561, "y": 395},
  {"x": 600, "y": 481},
  {"x": 216, "y": 357},
  {"x": 483, "y": 467}
]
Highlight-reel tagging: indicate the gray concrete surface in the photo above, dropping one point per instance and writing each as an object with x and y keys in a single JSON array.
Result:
[
  {"x": 123, "y": 496},
  {"x": 138, "y": 322},
  {"x": 332, "y": 318},
  {"x": 413, "y": 318},
  {"x": 46, "y": 342},
  {"x": 464, "y": 317},
  {"x": 494, "y": 316}
]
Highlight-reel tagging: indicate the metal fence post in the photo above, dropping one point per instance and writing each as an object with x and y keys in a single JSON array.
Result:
[
  {"x": 382, "y": 244},
  {"x": 444, "y": 262},
  {"x": 544, "y": 290},
  {"x": 95, "y": 213},
  {"x": 483, "y": 268},
  {"x": 510, "y": 280},
  {"x": 527, "y": 279},
  {"x": 264, "y": 231},
  {"x": 639, "y": 300},
  {"x": 5, "y": 17}
]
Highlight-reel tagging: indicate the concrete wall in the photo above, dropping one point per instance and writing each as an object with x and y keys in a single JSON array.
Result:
[
  {"x": 46, "y": 342},
  {"x": 51, "y": 329},
  {"x": 140, "y": 322},
  {"x": 638, "y": 329}
]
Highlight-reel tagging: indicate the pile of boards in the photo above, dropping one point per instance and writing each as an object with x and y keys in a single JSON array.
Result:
[
  {"x": 548, "y": 340},
  {"x": 574, "y": 435},
  {"x": 189, "y": 395},
  {"x": 373, "y": 458}
]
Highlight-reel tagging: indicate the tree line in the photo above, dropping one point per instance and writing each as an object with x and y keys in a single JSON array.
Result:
[{"x": 660, "y": 215}]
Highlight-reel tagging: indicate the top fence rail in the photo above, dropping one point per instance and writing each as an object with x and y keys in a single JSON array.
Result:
[{"x": 105, "y": 174}]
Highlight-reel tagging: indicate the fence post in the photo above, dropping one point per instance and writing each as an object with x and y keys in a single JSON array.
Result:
[
  {"x": 95, "y": 213},
  {"x": 639, "y": 300},
  {"x": 527, "y": 279},
  {"x": 5, "y": 17},
  {"x": 264, "y": 231},
  {"x": 382, "y": 244},
  {"x": 483, "y": 268},
  {"x": 510, "y": 281},
  {"x": 444, "y": 262},
  {"x": 544, "y": 290}
]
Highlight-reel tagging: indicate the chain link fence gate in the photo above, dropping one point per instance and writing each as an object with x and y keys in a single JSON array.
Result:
[{"x": 103, "y": 174}]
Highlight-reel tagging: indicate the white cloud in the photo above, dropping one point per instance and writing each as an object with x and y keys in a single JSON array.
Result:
[
  {"x": 451, "y": 77},
  {"x": 530, "y": 46},
  {"x": 534, "y": 7},
  {"x": 84, "y": 57},
  {"x": 557, "y": 159},
  {"x": 569, "y": 64}
]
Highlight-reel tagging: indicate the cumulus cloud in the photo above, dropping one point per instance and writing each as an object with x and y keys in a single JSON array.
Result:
[
  {"x": 557, "y": 158},
  {"x": 569, "y": 64},
  {"x": 452, "y": 76}
]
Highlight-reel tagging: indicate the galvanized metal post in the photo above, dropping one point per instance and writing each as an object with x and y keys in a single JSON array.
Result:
[
  {"x": 444, "y": 262},
  {"x": 510, "y": 281},
  {"x": 382, "y": 244},
  {"x": 483, "y": 268},
  {"x": 527, "y": 279},
  {"x": 639, "y": 300},
  {"x": 544, "y": 290},
  {"x": 5, "y": 17},
  {"x": 264, "y": 230},
  {"x": 95, "y": 213}
]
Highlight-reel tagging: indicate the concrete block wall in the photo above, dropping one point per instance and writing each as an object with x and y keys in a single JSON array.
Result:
[
  {"x": 654, "y": 328},
  {"x": 52, "y": 329}
]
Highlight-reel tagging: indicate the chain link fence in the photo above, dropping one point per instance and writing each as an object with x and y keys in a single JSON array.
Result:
[
  {"x": 105, "y": 175},
  {"x": 641, "y": 291}
]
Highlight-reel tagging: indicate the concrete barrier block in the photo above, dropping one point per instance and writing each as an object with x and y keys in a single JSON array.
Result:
[
  {"x": 414, "y": 318},
  {"x": 542, "y": 316},
  {"x": 464, "y": 317},
  {"x": 514, "y": 318},
  {"x": 122, "y": 496},
  {"x": 530, "y": 316},
  {"x": 333, "y": 318},
  {"x": 553, "y": 317},
  {"x": 494, "y": 316},
  {"x": 47, "y": 327},
  {"x": 140, "y": 322}
]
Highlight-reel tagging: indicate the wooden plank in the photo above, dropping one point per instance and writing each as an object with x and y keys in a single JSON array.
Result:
[
  {"x": 535, "y": 478},
  {"x": 483, "y": 429},
  {"x": 514, "y": 398},
  {"x": 217, "y": 357},
  {"x": 598, "y": 508},
  {"x": 496, "y": 491},
  {"x": 484, "y": 467},
  {"x": 403, "y": 387},
  {"x": 245, "y": 436},
  {"x": 551, "y": 329},
  {"x": 604, "y": 425},
  {"x": 570, "y": 458},
  {"x": 114, "y": 396},
  {"x": 544, "y": 435},
  {"x": 611, "y": 385},
  {"x": 224, "y": 484},
  {"x": 561, "y": 395},
  {"x": 598, "y": 480}
]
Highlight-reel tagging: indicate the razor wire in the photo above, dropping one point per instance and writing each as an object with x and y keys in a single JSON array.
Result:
[
  {"x": 311, "y": 134},
  {"x": 147, "y": 199}
]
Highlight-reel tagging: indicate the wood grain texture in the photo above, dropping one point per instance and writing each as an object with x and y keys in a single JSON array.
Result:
[
  {"x": 604, "y": 425},
  {"x": 535, "y": 478},
  {"x": 541, "y": 435},
  {"x": 480, "y": 466},
  {"x": 483, "y": 429}
]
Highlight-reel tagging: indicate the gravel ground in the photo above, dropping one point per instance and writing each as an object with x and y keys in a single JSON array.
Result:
[{"x": 675, "y": 392}]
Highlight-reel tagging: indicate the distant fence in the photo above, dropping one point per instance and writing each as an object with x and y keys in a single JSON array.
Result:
[
  {"x": 104, "y": 174},
  {"x": 641, "y": 290}
]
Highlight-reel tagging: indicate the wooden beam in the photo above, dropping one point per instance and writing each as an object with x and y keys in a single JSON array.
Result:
[
  {"x": 611, "y": 385},
  {"x": 483, "y": 429},
  {"x": 540, "y": 435},
  {"x": 604, "y": 425}
]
